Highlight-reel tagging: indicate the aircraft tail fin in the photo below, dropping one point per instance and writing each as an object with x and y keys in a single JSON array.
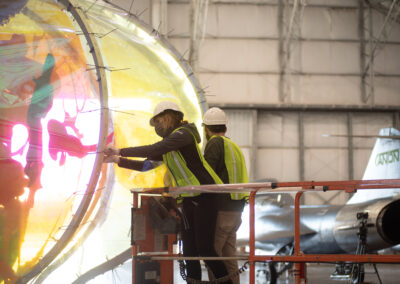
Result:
[{"x": 384, "y": 163}]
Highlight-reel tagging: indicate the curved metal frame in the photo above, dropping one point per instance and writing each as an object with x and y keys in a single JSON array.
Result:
[
  {"x": 80, "y": 212},
  {"x": 179, "y": 58},
  {"x": 79, "y": 16},
  {"x": 94, "y": 48}
]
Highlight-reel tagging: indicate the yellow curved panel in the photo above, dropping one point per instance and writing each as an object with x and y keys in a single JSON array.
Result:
[{"x": 50, "y": 125}]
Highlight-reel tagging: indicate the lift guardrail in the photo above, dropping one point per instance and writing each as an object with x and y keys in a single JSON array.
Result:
[{"x": 298, "y": 188}]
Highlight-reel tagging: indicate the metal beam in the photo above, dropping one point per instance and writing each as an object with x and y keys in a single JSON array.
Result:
[
  {"x": 159, "y": 16},
  {"x": 350, "y": 5},
  {"x": 381, "y": 34},
  {"x": 287, "y": 29},
  {"x": 381, "y": 8},
  {"x": 396, "y": 120},
  {"x": 370, "y": 71},
  {"x": 78, "y": 15},
  {"x": 309, "y": 107},
  {"x": 282, "y": 77},
  {"x": 367, "y": 63},
  {"x": 274, "y": 38},
  {"x": 254, "y": 145},
  {"x": 361, "y": 33},
  {"x": 301, "y": 146},
  {"x": 315, "y": 147},
  {"x": 293, "y": 73},
  {"x": 198, "y": 20},
  {"x": 350, "y": 145}
]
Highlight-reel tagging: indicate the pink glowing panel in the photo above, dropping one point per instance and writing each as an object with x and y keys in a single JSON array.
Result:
[{"x": 73, "y": 212}]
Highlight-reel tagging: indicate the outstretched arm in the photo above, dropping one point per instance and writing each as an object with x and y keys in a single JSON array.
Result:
[{"x": 173, "y": 142}]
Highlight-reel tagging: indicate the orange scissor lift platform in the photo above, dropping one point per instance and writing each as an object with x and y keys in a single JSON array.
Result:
[{"x": 146, "y": 247}]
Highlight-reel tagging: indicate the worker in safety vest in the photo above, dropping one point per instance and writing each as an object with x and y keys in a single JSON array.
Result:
[
  {"x": 227, "y": 160},
  {"x": 181, "y": 154}
]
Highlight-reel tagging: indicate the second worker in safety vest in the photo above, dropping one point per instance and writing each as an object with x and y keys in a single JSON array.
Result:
[
  {"x": 186, "y": 165},
  {"x": 227, "y": 160}
]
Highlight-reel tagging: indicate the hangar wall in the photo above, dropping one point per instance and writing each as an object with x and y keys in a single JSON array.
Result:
[{"x": 288, "y": 72}]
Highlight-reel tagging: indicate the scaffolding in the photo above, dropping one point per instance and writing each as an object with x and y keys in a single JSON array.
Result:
[{"x": 298, "y": 258}]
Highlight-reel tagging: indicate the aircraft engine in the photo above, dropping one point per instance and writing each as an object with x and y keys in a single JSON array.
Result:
[{"x": 383, "y": 231}]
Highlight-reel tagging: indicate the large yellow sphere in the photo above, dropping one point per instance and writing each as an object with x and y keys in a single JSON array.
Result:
[{"x": 58, "y": 108}]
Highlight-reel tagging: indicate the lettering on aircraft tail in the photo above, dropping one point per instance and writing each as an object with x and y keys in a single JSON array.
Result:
[{"x": 387, "y": 157}]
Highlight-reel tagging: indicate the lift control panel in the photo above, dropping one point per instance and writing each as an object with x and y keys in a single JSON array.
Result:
[{"x": 154, "y": 231}]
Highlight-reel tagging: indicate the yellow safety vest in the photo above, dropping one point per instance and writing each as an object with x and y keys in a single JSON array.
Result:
[
  {"x": 180, "y": 174},
  {"x": 235, "y": 165}
]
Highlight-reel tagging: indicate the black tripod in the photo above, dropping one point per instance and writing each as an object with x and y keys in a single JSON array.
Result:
[{"x": 355, "y": 271}]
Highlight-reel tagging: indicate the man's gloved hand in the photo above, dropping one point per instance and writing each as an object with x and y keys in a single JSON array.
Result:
[
  {"x": 111, "y": 159},
  {"x": 111, "y": 150}
]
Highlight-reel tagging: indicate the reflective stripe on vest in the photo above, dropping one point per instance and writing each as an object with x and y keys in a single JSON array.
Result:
[
  {"x": 234, "y": 177},
  {"x": 177, "y": 162},
  {"x": 181, "y": 174}
]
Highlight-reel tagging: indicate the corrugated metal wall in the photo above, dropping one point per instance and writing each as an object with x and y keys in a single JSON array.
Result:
[
  {"x": 293, "y": 145},
  {"x": 279, "y": 120}
]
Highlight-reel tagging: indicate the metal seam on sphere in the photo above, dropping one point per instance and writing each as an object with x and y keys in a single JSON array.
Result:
[
  {"x": 80, "y": 212},
  {"x": 179, "y": 58}
]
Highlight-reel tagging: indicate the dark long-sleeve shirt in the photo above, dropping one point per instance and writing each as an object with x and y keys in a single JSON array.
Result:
[
  {"x": 214, "y": 154},
  {"x": 182, "y": 140}
]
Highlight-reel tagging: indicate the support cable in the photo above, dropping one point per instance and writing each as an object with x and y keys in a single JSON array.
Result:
[
  {"x": 377, "y": 41},
  {"x": 73, "y": 226}
]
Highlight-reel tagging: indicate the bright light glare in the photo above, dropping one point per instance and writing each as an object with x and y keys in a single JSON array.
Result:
[
  {"x": 132, "y": 104},
  {"x": 145, "y": 36}
]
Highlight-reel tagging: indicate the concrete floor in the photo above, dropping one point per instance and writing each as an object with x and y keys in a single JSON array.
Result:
[
  {"x": 316, "y": 274},
  {"x": 319, "y": 273}
]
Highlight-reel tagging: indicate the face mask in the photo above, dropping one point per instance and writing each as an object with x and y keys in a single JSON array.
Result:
[
  {"x": 160, "y": 130},
  {"x": 163, "y": 132}
]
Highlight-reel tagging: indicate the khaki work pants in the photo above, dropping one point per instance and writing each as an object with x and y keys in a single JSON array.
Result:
[{"x": 228, "y": 222}]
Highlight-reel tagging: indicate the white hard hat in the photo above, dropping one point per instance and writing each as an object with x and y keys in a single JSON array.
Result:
[
  {"x": 163, "y": 106},
  {"x": 214, "y": 116}
]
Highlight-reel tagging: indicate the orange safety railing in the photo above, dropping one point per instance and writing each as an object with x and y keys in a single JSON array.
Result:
[{"x": 284, "y": 187}]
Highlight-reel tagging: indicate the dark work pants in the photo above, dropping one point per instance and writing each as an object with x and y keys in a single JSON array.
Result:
[{"x": 198, "y": 239}]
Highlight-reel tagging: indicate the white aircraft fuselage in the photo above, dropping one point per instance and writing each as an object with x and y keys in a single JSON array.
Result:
[{"x": 333, "y": 228}]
